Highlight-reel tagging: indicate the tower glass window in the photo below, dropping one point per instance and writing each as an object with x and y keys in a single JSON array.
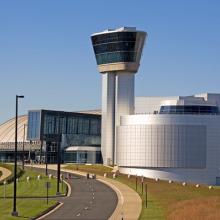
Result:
[{"x": 114, "y": 47}]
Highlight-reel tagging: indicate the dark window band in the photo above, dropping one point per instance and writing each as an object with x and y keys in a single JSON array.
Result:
[
  {"x": 113, "y": 37},
  {"x": 113, "y": 47},
  {"x": 188, "y": 109},
  {"x": 115, "y": 57}
]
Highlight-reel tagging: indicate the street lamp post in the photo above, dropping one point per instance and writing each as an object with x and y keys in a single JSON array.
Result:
[
  {"x": 58, "y": 156},
  {"x": 46, "y": 157},
  {"x": 41, "y": 146},
  {"x": 58, "y": 168},
  {"x": 23, "y": 148},
  {"x": 14, "y": 212}
]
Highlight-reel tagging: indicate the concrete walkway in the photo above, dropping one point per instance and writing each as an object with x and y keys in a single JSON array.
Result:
[
  {"x": 5, "y": 173},
  {"x": 129, "y": 202}
]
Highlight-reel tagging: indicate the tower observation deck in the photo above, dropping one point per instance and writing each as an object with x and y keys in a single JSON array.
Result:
[{"x": 118, "y": 53}]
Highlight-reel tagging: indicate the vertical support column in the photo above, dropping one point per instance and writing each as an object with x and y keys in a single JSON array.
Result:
[
  {"x": 124, "y": 100},
  {"x": 108, "y": 118}
]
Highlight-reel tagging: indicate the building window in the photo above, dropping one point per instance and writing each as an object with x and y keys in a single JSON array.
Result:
[
  {"x": 188, "y": 109},
  {"x": 33, "y": 125}
]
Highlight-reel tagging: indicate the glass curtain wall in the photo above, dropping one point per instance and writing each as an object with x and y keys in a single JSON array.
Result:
[
  {"x": 77, "y": 124},
  {"x": 34, "y": 125}
]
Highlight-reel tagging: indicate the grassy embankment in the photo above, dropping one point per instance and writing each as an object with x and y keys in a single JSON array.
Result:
[
  {"x": 27, "y": 207},
  {"x": 168, "y": 201}
]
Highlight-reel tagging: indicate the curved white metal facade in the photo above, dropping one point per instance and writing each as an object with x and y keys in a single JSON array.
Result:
[
  {"x": 173, "y": 147},
  {"x": 7, "y": 130}
]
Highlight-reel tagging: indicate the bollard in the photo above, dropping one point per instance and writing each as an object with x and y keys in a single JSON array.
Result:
[
  {"x": 129, "y": 176},
  {"x": 62, "y": 183},
  {"x": 5, "y": 182},
  {"x": 114, "y": 175},
  {"x": 67, "y": 176},
  {"x": 157, "y": 179},
  {"x": 210, "y": 187},
  {"x": 136, "y": 181},
  {"x": 38, "y": 177},
  {"x": 184, "y": 183},
  {"x": 142, "y": 185},
  {"x": 170, "y": 181},
  {"x": 28, "y": 178},
  {"x": 122, "y": 216},
  {"x": 50, "y": 176},
  {"x": 105, "y": 175},
  {"x": 197, "y": 185},
  {"x": 146, "y": 195}
]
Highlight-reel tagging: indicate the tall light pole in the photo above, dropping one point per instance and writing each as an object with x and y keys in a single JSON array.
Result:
[
  {"x": 58, "y": 154},
  {"x": 58, "y": 168},
  {"x": 14, "y": 212},
  {"x": 41, "y": 146},
  {"x": 46, "y": 157},
  {"x": 23, "y": 148}
]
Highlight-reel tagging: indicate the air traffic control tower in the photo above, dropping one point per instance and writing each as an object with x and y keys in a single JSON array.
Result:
[{"x": 118, "y": 53}]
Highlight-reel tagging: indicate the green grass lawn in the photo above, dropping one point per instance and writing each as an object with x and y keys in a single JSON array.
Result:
[
  {"x": 166, "y": 201},
  {"x": 154, "y": 210},
  {"x": 95, "y": 168},
  {"x": 28, "y": 207},
  {"x": 33, "y": 188}
]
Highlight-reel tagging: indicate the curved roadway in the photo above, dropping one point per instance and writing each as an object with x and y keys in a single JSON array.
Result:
[
  {"x": 89, "y": 199},
  {"x": 5, "y": 173}
]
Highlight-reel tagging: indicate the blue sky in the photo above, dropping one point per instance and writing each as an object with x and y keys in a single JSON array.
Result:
[{"x": 46, "y": 53}]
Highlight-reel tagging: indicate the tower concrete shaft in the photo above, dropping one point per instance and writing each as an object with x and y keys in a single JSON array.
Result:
[
  {"x": 108, "y": 118},
  {"x": 117, "y": 100}
]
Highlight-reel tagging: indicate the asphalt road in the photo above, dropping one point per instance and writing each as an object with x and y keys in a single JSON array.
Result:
[{"x": 89, "y": 199}]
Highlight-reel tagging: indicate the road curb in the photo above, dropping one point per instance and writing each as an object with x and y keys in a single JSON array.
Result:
[
  {"x": 48, "y": 211},
  {"x": 69, "y": 188},
  {"x": 119, "y": 208}
]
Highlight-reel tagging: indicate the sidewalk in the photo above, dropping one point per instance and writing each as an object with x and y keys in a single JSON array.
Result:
[
  {"x": 129, "y": 202},
  {"x": 5, "y": 173}
]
